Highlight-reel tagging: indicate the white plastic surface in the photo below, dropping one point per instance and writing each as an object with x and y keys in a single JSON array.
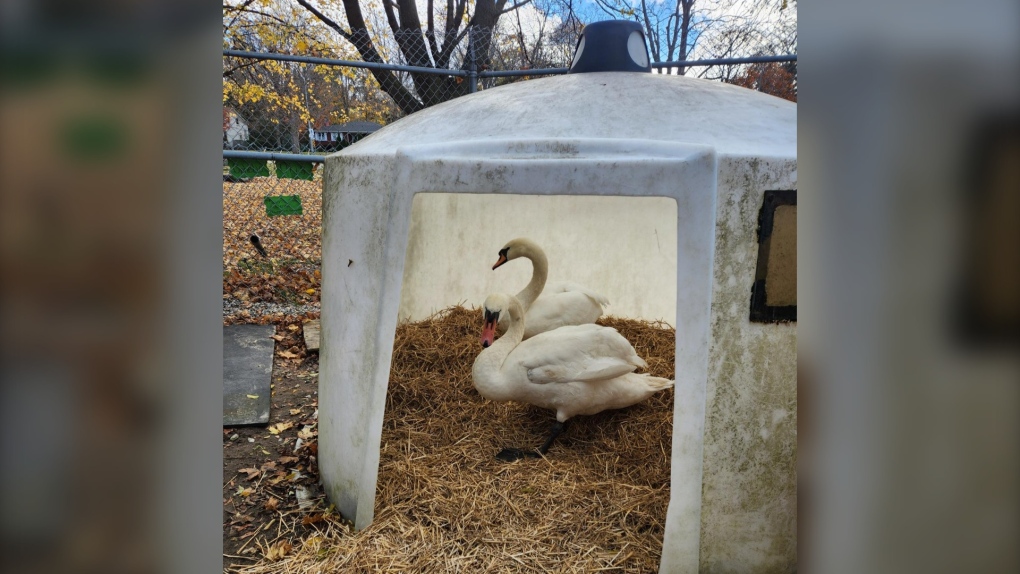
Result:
[{"x": 364, "y": 248}]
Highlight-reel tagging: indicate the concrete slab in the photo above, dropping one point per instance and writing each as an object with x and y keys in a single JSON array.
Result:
[
  {"x": 247, "y": 373},
  {"x": 311, "y": 331}
]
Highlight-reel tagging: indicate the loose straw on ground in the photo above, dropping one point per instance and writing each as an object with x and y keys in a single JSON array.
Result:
[{"x": 445, "y": 504}]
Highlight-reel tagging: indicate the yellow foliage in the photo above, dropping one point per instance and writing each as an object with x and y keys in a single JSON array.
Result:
[{"x": 295, "y": 95}]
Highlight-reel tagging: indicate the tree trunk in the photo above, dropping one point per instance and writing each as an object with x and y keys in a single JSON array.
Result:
[
  {"x": 362, "y": 41},
  {"x": 685, "y": 30},
  {"x": 295, "y": 132},
  {"x": 487, "y": 13},
  {"x": 406, "y": 26}
]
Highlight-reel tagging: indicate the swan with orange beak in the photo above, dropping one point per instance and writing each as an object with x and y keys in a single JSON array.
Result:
[
  {"x": 573, "y": 370},
  {"x": 548, "y": 307}
]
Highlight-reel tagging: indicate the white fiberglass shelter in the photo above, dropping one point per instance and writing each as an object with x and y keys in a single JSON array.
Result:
[{"x": 649, "y": 186}]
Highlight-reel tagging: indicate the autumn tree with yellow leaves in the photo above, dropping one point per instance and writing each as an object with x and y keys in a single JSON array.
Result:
[{"x": 282, "y": 101}]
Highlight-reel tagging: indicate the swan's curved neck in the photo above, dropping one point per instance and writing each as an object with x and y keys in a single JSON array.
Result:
[
  {"x": 486, "y": 370},
  {"x": 539, "y": 274}
]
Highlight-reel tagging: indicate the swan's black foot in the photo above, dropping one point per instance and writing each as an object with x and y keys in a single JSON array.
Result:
[{"x": 512, "y": 454}]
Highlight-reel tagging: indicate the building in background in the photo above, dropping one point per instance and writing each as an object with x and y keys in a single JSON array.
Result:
[
  {"x": 235, "y": 129},
  {"x": 342, "y": 135}
]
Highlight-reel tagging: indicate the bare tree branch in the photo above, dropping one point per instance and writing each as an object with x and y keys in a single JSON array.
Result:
[
  {"x": 391, "y": 16},
  {"x": 515, "y": 6},
  {"x": 228, "y": 8},
  {"x": 325, "y": 19},
  {"x": 430, "y": 33},
  {"x": 238, "y": 8},
  {"x": 246, "y": 64},
  {"x": 267, "y": 15}
]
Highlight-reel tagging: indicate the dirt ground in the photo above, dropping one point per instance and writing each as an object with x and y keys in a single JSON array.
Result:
[
  {"x": 271, "y": 493},
  {"x": 263, "y": 471}
]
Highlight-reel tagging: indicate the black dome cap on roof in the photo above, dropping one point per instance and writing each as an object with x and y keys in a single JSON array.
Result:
[{"x": 611, "y": 46}]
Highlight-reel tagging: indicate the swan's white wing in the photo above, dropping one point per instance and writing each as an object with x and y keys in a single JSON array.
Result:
[
  {"x": 576, "y": 353},
  {"x": 599, "y": 369},
  {"x": 569, "y": 286},
  {"x": 558, "y": 309},
  {"x": 554, "y": 310}
]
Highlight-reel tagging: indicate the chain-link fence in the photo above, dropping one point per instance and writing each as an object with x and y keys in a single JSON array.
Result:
[
  {"x": 283, "y": 113},
  {"x": 272, "y": 227}
]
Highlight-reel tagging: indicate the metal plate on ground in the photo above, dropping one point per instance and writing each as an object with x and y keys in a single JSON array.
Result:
[{"x": 247, "y": 373}]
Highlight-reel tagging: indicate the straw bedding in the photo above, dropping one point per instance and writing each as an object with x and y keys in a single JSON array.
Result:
[{"x": 445, "y": 504}]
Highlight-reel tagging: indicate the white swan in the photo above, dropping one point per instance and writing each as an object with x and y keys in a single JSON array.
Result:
[
  {"x": 560, "y": 304},
  {"x": 573, "y": 370}
]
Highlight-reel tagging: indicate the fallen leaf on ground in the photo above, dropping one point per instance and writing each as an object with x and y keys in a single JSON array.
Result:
[
  {"x": 292, "y": 327},
  {"x": 278, "y": 550},
  {"x": 269, "y": 466},
  {"x": 252, "y": 473},
  {"x": 288, "y": 459},
  {"x": 278, "y": 337},
  {"x": 312, "y": 519},
  {"x": 307, "y": 433},
  {"x": 244, "y": 491},
  {"x": 287, "y": 355},
  {"x": 280, "y": 427},
  {"x": 272, "y": 503},
  {"x": 312, "y": 543},
  {"x": 295, "y": 411}
]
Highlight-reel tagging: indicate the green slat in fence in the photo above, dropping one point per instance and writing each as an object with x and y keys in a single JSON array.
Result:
[
  {"x": 294, "y": 169},
  {"x": 283, "y": 205},
  {"x": 247, "y": 168}
]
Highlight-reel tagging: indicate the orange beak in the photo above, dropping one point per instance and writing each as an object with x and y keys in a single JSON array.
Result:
[
  {"x": 500, "y": 261},
  {"x": 488, "y": 334}
]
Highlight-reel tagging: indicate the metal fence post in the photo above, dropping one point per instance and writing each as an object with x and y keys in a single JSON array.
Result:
[{"x": 472, "y": 66}]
